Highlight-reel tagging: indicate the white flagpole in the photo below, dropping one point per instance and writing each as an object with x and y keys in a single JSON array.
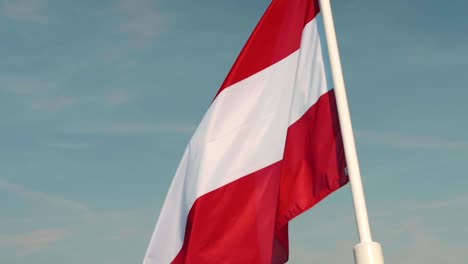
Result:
[{"x": 366, "y": 251}]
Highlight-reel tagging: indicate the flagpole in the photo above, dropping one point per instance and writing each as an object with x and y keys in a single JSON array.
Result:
[{"x": 366, "y": 251}]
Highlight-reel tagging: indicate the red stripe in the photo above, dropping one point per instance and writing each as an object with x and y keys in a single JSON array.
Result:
[
  {"x": 246, "y": 220},
  {"x": 276, "y": 36}
]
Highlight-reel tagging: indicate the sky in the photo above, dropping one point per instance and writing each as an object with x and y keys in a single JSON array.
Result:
[{"x": 99, "y": 98}]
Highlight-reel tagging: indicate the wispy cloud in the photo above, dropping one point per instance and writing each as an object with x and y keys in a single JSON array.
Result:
[
  {"x": 124, "y": 129},
  {"x": 24, "y": 85},
  {"x": 116, "y": 98},
  {"x": 398, "y": 209},
  {"x": 70, "y": 145},
  {"x": 415, "y": 240},
  {"x": 54, "y": 104},
  {"x": 33, "y": 241},
  {"x": 40, "y": 197},
  {"x": 405, "y": 141},
  {"x": 57, "y": 212},
  {"x": 411, "y": 207},
  {"x": 142, "y": 21},
  {"x": 408, "y": 240},
  {"x": 411, "y": 232},
  {"x": 25, "y": 10},
  {"x": 25, "y": 243}
]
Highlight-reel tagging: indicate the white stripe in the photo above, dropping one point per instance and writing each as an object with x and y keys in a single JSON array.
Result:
[{"x": 243, "y": 131}]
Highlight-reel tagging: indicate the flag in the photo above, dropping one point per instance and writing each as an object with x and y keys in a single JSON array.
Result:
[{"x": 268, "y": 148}]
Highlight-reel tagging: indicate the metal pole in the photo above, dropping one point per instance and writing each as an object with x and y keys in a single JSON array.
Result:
[{"x": 366, "y": 251}]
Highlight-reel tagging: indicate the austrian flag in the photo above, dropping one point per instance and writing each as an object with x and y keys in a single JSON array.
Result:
[{"x": 268, "y": 148}]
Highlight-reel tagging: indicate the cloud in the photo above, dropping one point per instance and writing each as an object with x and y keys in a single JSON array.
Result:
[
  {"x": 33, "y": 241},
  {"x": 42, "y": 198},
  {"x": 68, "y": 145},
  {"x": 141, "y": 20},
  {"x": 55, "y": 212},
  {"x": 409, "y": 241},
  {"x": 53, "y": 105},
  {"x": 411, "y": 207},
  {"x": 26, "y": 243},
  {"x": 24, "y": 85},
  {"x": 25, "y": 10},
  {"x": 405, "y": 141},
  {"x": 118, "y": 98},
  {"x": 411, "y": 232},
  {"x": 124, "y": 129},
  {"x": 414, "y": 240}
]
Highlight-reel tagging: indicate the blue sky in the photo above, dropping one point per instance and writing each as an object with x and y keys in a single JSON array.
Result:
[{"x": 99, "y": 98}]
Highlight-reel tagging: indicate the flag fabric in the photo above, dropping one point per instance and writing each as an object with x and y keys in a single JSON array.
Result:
[{"x": 268, "y": 148}]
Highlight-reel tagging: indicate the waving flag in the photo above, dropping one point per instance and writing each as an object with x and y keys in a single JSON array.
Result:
[{"x": 268, "y": 148}]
